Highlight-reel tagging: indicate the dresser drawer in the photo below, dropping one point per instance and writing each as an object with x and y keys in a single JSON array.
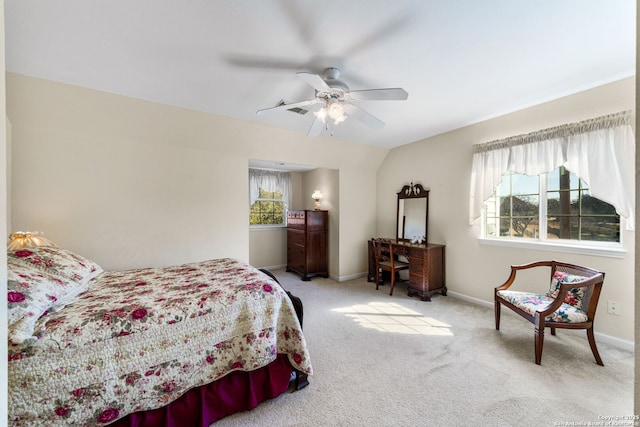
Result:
[
  {"x": 416, "y": 266},
  {"x": 296, "y": 257},
  {"x": 296, "y": 219},
  {"x": 295, "y": 237},
  {"x": 415, "y": 253},
  {"x": 416, "y": 281}
]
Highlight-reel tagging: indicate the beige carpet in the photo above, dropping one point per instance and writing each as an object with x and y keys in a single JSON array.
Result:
[{"x": 398, "y": 361}]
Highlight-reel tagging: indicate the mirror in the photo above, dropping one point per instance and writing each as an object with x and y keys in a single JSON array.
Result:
[{"x": 412, "y": 217}]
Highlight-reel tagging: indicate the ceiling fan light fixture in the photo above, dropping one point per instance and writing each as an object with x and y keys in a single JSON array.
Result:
[
  {"x": 321, "y": 114},
  {"x": 336, "y": 111}
]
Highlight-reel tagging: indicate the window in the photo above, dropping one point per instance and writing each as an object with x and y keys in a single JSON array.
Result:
[
  {"x": 564, "y": 209},
  {"x": 268, "y": 209},
  {"x": 268, "y": 197},
  {"x": 533, "y": 187}
]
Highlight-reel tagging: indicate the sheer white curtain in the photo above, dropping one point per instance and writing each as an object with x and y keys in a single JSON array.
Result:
[
  {"x": 600, "y": 151},
  {"x": 269, "y": 181}
]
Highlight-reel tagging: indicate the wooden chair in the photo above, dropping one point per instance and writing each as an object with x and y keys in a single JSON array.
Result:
[
  {"x": 386, "y": 261},
  {"x": 571, "y": 302}
]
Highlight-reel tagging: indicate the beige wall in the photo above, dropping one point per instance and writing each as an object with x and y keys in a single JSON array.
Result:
[
  {"x": 131, "y": 183},
  {"x": 327, "y": 181},
  {"x": 268, "y": 247},
  {"x": 443, "y": 164}
]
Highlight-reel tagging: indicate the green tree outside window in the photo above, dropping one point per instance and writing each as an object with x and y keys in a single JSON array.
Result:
[{"x": 268, "y": 209}]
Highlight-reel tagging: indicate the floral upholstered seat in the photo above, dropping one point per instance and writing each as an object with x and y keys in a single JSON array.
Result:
[
  {"x": 570, "y": 302},
  {"x": 531, "y": 303}
]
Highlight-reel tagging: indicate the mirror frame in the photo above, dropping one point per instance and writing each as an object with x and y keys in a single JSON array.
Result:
[{"x": 413, "y": 191}]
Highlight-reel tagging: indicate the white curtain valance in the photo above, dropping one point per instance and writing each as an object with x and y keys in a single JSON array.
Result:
[
  {"x": 601, "y": 151},
  {"x": 269, "y": 181}
]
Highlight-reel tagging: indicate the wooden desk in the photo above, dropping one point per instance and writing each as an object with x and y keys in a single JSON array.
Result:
[{"x": 426, "y": 267}]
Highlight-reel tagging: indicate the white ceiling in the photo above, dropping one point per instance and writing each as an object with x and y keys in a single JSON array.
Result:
[{"x": 461, "y": 61}]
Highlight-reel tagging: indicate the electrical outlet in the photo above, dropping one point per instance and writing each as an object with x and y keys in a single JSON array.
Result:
[{"x": 613, "y": 308}]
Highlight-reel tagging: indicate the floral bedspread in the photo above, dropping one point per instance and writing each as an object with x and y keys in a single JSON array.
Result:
[{"x": 138, "y": 339}]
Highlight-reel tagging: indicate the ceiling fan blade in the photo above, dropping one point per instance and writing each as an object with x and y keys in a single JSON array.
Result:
[
  {"x": 288, "y": 106},
  {"x": 316, "y": 128},
  {"x": 390, "y": 94},
  {"x": 363, "y": 116},
  {"x": 315, "y": 81}
]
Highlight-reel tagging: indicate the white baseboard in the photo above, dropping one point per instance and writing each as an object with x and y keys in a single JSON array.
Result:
[
  {"x": 608, "y": 339},
  {"x": 473, "y": 300},
  {"x": 331, "y": 276},
  {"x": 349, "y": 277},
  {"x": 615, "y": 342}
]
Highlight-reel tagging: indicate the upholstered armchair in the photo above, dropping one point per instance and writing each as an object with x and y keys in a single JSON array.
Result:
[{"x": 570, "y": 303}]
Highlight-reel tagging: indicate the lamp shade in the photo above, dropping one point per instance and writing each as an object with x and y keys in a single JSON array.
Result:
[
  {"x": 23, "y": 239},
  {"x": 317, "y": 195}
]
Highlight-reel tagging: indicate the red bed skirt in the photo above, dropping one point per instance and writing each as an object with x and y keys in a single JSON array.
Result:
[{"x": 201, "y": 406}]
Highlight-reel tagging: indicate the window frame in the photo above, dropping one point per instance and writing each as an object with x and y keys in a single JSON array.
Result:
[
  {"x": 588, "y": 247},
  {"x": 276, "y": 180},
  {"x": 285, "y": 208}
]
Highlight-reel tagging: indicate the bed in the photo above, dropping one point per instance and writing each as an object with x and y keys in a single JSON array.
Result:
[{"x": 174, "y": 346}]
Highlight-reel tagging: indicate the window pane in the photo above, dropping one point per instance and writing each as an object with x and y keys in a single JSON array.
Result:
[
  {"x": 505, "y": 186},
  {"x": 553, "y": 203},
  {"x": 505, "y": 206},
  {"x": 525, "y": 206},
  {"x": 576, "y": 183},
  {"x": 563, "y": 203},
  {"x": 267, "y": 212},
  {"x": 603, "y": 229},
  {"x": 562, "y": 178},
  {"x": 525, "y": 227},
  {"x": 553, "y": 180},
  {"x": 562, "y": 227},
  {"x": 593, "y": 206},
  {"x": 505, "y": 226},
  {"x": 491, "y": 227},
  {"x": 524, "y": 184},
  {"x": 254, "y": 218},
  {"x": 574, "y": 202}
]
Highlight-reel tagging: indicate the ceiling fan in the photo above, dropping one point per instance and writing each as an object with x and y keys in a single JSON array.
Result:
[{"x": 332, "y": 103}]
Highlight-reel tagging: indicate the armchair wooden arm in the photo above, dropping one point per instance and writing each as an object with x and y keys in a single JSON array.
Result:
[{"x": 515, "y": 268}]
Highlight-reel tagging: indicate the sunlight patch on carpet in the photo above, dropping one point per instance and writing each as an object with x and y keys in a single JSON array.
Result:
[{"x": 393, "y": 317}]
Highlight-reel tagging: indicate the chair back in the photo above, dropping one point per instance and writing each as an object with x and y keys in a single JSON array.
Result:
[
  {"x": 383, "y": 250},
  {"x": 589, "y": 295}
]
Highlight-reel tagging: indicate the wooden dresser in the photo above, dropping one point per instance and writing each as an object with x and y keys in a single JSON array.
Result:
[
  {"x": 426, "y": 267},
  {"x": 308, "y": 243}
]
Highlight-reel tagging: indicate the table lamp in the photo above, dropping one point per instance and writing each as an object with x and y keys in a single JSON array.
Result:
[
  {"x": 317, "y": 195},
  {"x": 23, "y": 239}
]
